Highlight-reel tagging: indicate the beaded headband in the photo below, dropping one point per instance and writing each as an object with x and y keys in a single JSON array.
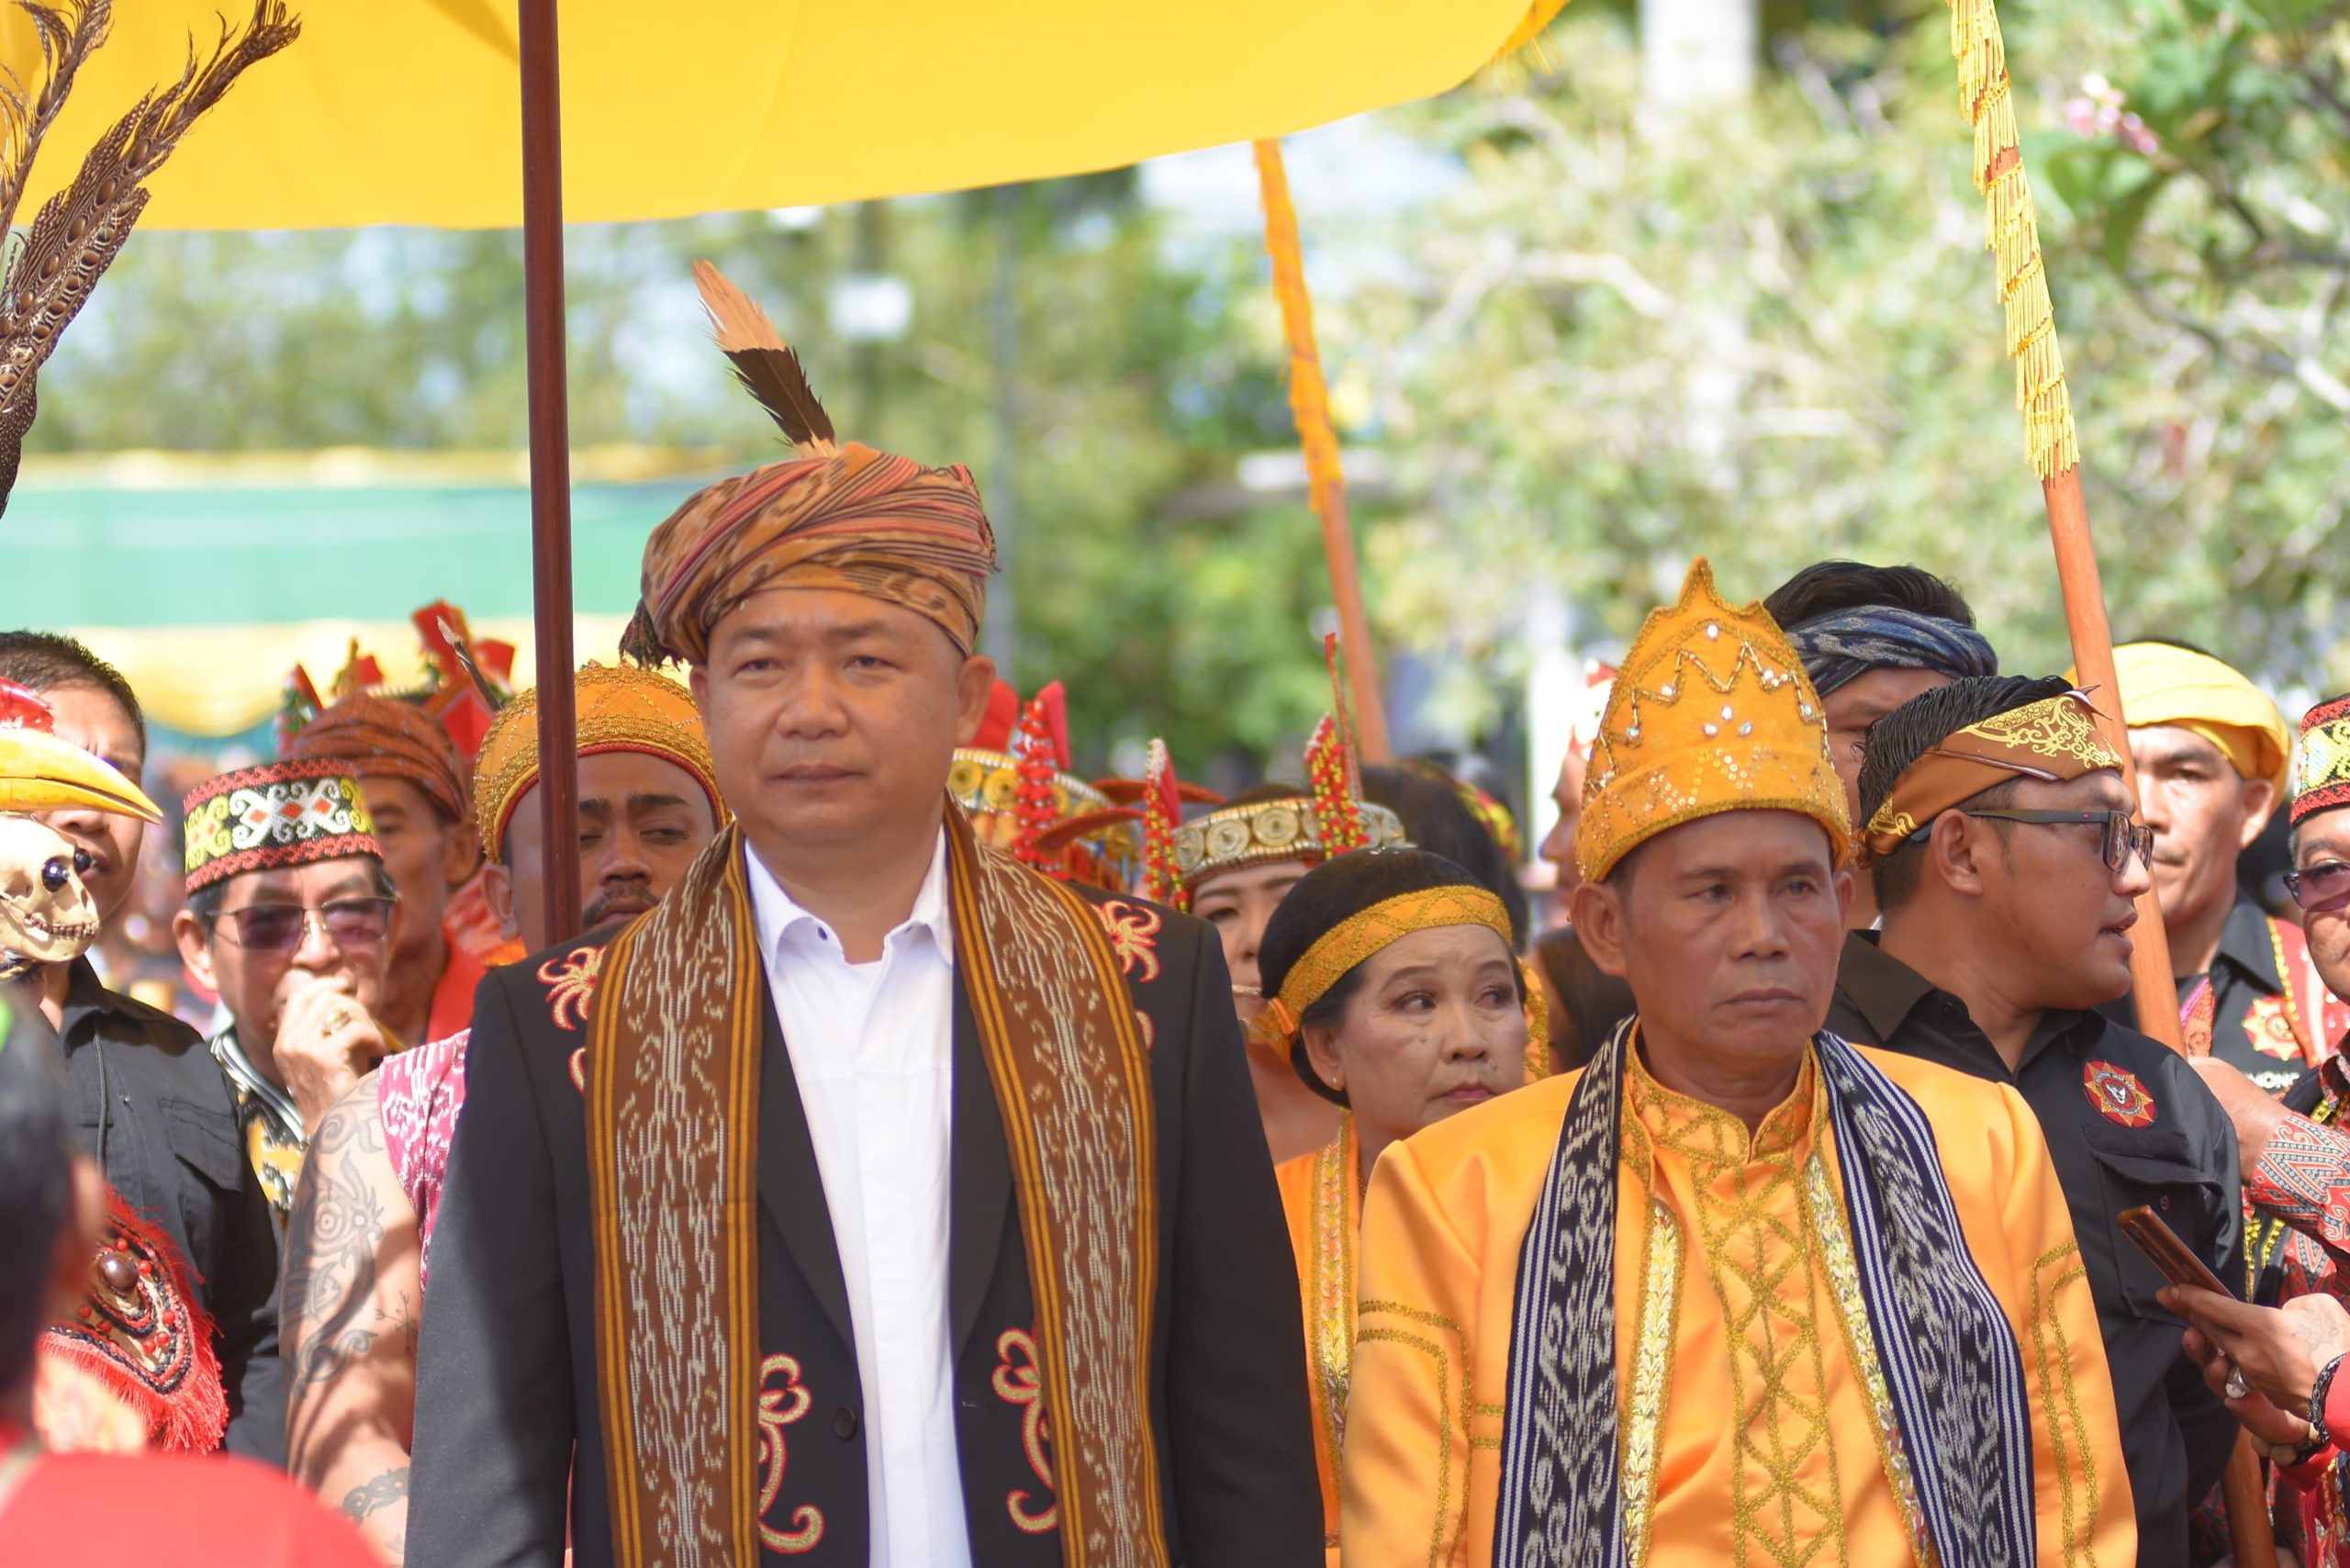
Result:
[
  {"x": 2324, "y": 780},
  {"x": 276, "y": 815},
  {"x": 1233, "y": 837}
]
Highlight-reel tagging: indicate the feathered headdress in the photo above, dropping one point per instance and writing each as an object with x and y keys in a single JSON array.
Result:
[
  {"x": 1162, "y": 813},
  {"x": 1330, "y": 774},
  {"x": 1042, "y": 746},
  {"x": 80, "y": 230},
  {"x": 764, "y": 364}
]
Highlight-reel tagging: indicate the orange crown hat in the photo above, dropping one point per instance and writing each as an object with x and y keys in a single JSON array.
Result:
[
  {"x": 833, "y": 515},
  {"x": 1710, "y": 713},
  {"x": 620, "y": 709}
]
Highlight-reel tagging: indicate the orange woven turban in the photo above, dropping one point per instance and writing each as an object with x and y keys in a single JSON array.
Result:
[
  {"x": 857, "y": 519},
  {"x": 379, "y": 736}
]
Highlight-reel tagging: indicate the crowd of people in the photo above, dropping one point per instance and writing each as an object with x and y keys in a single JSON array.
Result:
[{"x": 926, "y": 1157}]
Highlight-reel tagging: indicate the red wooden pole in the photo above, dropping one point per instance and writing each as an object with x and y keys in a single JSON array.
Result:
[
  {"x": 550, "y": 458},
  {"x": 2150, "y": 985}
]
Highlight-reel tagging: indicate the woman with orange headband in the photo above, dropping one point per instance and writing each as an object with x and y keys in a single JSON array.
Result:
[{"x": 1392, "y": 984}]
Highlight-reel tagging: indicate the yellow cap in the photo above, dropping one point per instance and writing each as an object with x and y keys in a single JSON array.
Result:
[
  {"x": 1710, "y": 713},
  {"x": 621, "y": 709}
]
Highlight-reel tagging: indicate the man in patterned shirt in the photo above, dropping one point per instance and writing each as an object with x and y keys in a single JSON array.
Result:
[
  {"x": 357, "y": 1243},
  {"x": 2297, "y": 1154}
]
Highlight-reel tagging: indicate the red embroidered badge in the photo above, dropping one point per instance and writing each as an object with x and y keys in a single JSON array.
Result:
[
  {"x": 2117, "y": 1095},
  {"x": 571, "y": 985},
  {"x": 1019, "y": 1383},
  {"x": 1134, "y": 935},
  {"x": 2269, "y": 1026},
  {"x": 779, "y": 1408}
]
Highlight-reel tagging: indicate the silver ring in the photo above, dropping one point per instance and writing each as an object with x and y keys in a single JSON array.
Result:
[{"x": 2235, "y": 1387}]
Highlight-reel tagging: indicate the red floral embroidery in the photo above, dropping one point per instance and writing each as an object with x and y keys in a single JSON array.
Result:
[
  {"x": 2117, "y": 1094},
  {"x": 579, "y": 1069},
  {"x": 779, "y": 1408},
  {"x": 571, "y": 984},
  {"x": 1134, "y": 935},
  {"x": 1019, "y": 1383},
  {"x": 1142, "y": 1023}
]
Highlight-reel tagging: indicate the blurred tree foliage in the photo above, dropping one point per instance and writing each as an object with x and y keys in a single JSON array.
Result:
[
  {"x": 1769, "y": 333},
  {"x": 1772, "y": 335},
  {"x": 1170, "y": 601}
]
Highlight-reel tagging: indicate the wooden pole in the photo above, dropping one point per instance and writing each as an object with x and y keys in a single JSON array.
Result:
[
  {"x": 1309, "y": 402},
  {"x": 543, "y": 286},
  {"x": 2013, "y": 236},
  {"x": 2151, "y": 985}
]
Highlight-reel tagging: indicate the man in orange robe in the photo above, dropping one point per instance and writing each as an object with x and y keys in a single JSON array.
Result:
[{"x": 1716, "y": 1298}]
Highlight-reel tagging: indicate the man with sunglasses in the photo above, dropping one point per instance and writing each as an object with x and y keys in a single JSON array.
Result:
[
  {"x": 2006, "y": 865},
  {"x": 289, "y": 913},
  {"x": 2278, "y": 1358}
]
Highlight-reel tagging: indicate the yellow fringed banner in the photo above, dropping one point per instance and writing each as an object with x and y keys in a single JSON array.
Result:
[
  {"x": 2013, "y": 237},
  {"x": 1309, "y": 404},
  {"x": 1530, "y": 30},
  {"x": 1309, "y": 397}
]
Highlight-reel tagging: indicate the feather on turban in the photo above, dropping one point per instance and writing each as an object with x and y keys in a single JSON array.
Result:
[
  {"x": 857, "y": 519},
  {"x": 831, "y": 516}
]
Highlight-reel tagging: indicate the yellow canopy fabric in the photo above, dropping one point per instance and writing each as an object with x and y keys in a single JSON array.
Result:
[{"x": 408, "y": 111}]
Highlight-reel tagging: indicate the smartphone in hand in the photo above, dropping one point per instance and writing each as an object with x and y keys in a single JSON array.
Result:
[{"x": 2167, "y": 1253}]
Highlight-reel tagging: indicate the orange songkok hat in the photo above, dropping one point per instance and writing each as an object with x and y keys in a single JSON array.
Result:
[
  {"x": 831, "y": 516},
  {"x": 1710, "y": 713},
  {"x": 382, "y": 736},
  {"x": 2055, "y": 739},
  {"x": 620, "y": 709}
]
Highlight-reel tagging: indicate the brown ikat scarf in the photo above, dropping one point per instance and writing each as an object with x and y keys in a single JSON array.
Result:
[{"x": 673, "y": 1096}]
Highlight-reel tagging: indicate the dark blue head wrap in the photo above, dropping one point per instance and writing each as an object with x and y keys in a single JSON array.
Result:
[{"x": 1848, "y": 645}]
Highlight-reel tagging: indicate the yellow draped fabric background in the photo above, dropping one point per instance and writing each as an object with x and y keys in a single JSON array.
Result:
[
  {"x": 222, "y": 681},
  {"x": 406, "y": 111}
]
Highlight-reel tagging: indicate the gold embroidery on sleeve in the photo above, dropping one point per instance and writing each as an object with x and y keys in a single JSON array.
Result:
[
  {"x": 1656, "y": 1315},
  {"x": 2067, "y": 1429},
  {"x": 1330, "y": 1337}
]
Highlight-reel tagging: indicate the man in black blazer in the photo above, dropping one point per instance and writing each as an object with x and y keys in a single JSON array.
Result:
[{"x": 827, "y": 605}]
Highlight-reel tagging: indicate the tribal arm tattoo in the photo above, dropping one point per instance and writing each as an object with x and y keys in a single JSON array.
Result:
[
  {"x": 348, "y": 1316},
  {"x": 379, "y": 1507}
]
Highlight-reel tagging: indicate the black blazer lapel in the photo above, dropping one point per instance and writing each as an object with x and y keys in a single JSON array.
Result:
[
  {"x": 978, "y": 1176},
  {"x": 791, "y": 1189}
]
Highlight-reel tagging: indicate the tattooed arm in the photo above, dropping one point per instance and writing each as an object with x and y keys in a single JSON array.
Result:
[{"x": 348, "y": 1309}]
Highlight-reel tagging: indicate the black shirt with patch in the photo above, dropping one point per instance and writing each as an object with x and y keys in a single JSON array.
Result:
[
  {"x": 2127, "y": 1123},
  {"x": 151, "y": 1106}
]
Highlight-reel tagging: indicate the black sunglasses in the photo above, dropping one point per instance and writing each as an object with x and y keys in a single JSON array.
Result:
[
  {"x": 2122, "y": 837},
  {"x": 2321, "y": 890},
  {"x": 280, "y": 927}
]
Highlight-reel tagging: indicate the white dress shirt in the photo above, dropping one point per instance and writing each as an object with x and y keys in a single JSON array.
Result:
[{"x": 872, "y": 1050}]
